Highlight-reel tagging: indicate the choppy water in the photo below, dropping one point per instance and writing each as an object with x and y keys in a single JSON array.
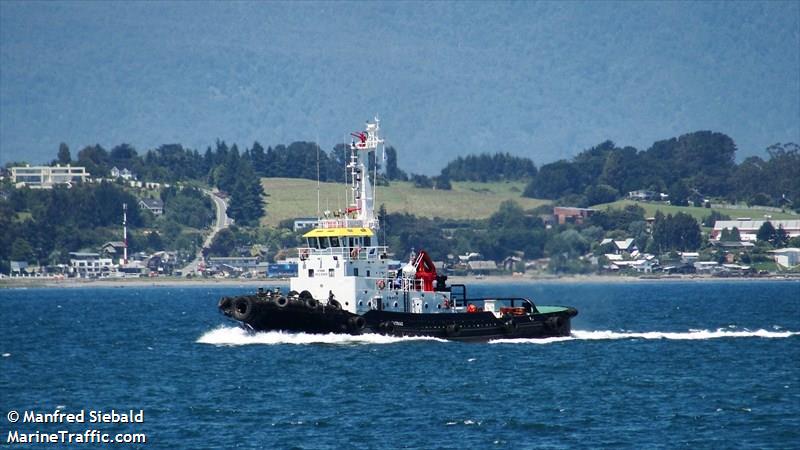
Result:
[{"x": 666, "y": 365}]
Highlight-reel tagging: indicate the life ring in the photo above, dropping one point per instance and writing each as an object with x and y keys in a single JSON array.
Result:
[
  {"x": 304, "y": 255},
  {"x": 354, "y": 252},
  {"x": 446, "y": 303},
  {"x": 381, "y": 284}
]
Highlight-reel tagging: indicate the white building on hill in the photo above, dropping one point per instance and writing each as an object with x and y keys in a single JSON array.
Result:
[
  {"x": 748, "y": 229},
  {"x": 45, "y": 177}
]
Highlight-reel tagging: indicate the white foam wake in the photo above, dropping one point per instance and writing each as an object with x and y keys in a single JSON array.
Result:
[
  {"x": 234, "y": 336},
  {"x": 237, "y": 336},
  {"x": 598, "y": 335}
]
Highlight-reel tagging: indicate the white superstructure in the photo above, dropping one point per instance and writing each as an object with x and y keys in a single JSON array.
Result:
[
  {"x": 45, "y": 177},
  {"x": 343, "y": 259}
]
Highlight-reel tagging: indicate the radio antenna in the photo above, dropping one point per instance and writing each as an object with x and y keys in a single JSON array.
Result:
[{"x": 317, "y": 144}]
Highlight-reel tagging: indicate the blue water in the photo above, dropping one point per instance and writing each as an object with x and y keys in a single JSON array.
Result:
[{"x": 651, "y": 365}]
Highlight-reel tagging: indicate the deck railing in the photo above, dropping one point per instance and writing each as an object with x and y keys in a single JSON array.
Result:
[{"x": 346, "y": 253}]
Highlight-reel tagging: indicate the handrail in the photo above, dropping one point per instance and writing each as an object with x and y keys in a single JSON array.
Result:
[
  {"x": 352, "y": 253},
  {"x": 512, "y": 301}
]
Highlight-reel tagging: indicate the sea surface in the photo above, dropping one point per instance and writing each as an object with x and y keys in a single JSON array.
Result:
[{"x": 650, "y": 365}]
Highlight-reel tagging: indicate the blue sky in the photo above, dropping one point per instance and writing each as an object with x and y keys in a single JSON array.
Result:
[{"x": 543, "y": 80}]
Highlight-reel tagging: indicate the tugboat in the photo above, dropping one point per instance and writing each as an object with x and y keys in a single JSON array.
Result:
[{"x": 346, "y": 283}]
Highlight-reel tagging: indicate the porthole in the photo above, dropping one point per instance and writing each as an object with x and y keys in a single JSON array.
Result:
[
  {"x": 426, "y": 306},
  {"x": 439, "y": 306},
  {"x": 395, "y": 304},
  {"x": 360, "y": 303}
]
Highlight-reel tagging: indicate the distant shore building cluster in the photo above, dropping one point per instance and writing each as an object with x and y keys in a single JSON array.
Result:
[
  {"x": 748, "y": 229},
  {"x": 647, "y": 196},
  {"x": 568, "y": 214},
  {"x": 45, "y": 177}
]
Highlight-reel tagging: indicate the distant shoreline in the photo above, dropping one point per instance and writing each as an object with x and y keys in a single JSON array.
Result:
[{"x": 16, "y": 283}]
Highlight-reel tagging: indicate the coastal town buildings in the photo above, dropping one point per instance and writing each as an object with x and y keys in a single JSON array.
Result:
[
  {"x": 748, "y": 229},
  {"x": 787, "y": 257},
  {"x": 153, "y": 205},
  {"x": 125, "y": 174},
  {"x": 45, "y": 177},
  {"x": 90, "y": 265},
  {"x": 568, "y": 214}
]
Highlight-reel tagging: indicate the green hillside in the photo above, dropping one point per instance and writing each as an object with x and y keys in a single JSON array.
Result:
[
  {"x": 291, "y": 197},
  {"x": 698, "y": 213}
]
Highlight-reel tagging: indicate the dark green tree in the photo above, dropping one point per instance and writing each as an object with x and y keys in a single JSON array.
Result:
[
  {"x": 679, "y": 194},
  {"x": 392, "y": 171},
  {"x": 487, "y": 167},
  {"x": 712, "y": 218},
  {"x": 246, "y": 206},
  {"x": 154, "y": 242},
  {"x": 95, "y": 159},
  {"x": 63, "y": 154},
  {"x": 259, "y": 159},
  {"x": 21, "y": 250},
  {"x": 679, "y": 232},
  {"x": 766, "y": 233},
  {"x": 224, "y": 243},
  {"x": 422, "y": 181},
  {"x": 781, "y": 237},
  {"x": 555, "y": 180},
  {"x": 602, "y": 193},
  {"x": 443, "y": 182},
  {"x": 730, "y": 235}
]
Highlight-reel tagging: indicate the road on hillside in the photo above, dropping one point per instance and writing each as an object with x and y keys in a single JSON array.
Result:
[{"x": 221, "y": 221}]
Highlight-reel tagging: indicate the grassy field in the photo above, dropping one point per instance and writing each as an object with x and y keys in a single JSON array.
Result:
[
  {"x": 290, "y": 197},
  {"x": 698, "y": 213}
]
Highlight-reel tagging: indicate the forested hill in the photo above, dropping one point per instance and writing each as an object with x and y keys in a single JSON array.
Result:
[
  {"x": 700, "y": 163},
  {"x": 486, "y": 167}
]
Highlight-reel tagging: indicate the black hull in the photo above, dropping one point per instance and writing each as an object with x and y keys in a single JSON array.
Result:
[{"x": 308, "y": 316}]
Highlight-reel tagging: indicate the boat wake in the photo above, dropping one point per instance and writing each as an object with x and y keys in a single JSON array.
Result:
[
  {"x": 234, "y": 336},
  {"x": 602, "y": 335}
]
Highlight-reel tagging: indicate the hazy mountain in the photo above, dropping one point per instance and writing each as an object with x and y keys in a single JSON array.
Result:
[{"x": 544, "y": 80}]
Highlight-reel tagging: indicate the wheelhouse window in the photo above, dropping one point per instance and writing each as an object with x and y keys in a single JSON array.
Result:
[
  {"x": 313, "y": 242},
  {"x": 367, "y": 241},
  {"x": 323, "y": 243},
  {"x": 334, "y": 242}
]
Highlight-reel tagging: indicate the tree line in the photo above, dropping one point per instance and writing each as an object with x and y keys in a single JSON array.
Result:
[{"x": 695, "y": 164}]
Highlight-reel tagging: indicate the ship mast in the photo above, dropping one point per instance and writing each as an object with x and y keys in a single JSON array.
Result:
[
  {"x": 125, "y": 233},
  {"x": 362, "y": 205}
]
